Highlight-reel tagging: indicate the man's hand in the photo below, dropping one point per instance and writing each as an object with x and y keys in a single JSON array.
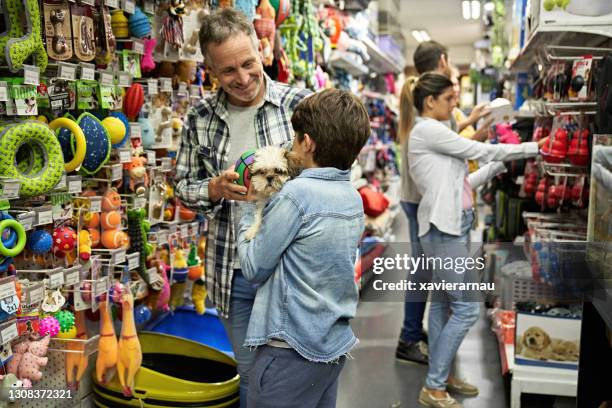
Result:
[
  {"x": 482, "y": 133},
  {"x": 480, "y": 111},
  {"x": 251, "y": 196},
  {"x": 223, "y": 186}
]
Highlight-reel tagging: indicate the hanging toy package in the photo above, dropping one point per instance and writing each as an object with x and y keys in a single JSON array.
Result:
[
  {"x": 58, "y": 29},
  {"x": 83, "y": 29}
]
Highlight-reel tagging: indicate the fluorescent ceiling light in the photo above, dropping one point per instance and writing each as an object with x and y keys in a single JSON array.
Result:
[
  {"x": 489, "y": 6},
  {"x": 475, "y": 9},
  {"x": 421, "y": 35},
  {"x": 467, "y": 13}
]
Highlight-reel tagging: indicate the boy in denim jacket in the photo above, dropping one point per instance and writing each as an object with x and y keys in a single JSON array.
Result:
[{"x": 303, "y": 259}]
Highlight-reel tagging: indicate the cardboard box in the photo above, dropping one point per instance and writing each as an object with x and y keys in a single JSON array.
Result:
[{"x": 547, "y": 341}]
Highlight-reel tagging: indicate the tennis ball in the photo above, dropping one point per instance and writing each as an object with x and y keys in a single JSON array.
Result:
[
  {"x": 549, "y": 5},
  {"x": 115, "y": 129}
]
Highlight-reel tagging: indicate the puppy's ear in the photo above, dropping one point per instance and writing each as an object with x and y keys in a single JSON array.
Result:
[
  {"x": 547, "y": 340},
  {"x": 294, "y": 164}
]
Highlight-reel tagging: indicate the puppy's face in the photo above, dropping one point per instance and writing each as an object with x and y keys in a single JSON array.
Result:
[
  {"x": 536, "y": 338},
  {"x": 270, "y": 170}
]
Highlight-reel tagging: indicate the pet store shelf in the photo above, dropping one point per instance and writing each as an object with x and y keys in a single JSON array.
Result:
[
  {"x": 534, "y": 51},
  {"x": 542, "y": 380},
  {"x": 563, "y": 106},
  {"x": 563, "y": 169},
  {"x": 345, "y": 61},
  {"x": 379, "y": 62}
]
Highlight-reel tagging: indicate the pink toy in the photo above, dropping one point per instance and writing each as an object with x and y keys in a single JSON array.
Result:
[
  {"x": 506, "y": 135},
  {"x": 115, "y": 292},
  {"x": 33, "y": 359},
  {"x": 49, "y": 325},
  {"x": 147, "y": 63},
  {"x": 86, "y": 291},
  {"x": 19, "y": 350}
]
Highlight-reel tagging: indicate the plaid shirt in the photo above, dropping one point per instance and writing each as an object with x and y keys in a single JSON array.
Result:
[{"x": 202, "y": 154}]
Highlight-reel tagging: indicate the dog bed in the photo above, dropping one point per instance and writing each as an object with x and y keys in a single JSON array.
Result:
[{"x": 39, "y": 145}]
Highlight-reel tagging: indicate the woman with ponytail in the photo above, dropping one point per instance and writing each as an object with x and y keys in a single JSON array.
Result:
[{"x": 437, "y": 162}]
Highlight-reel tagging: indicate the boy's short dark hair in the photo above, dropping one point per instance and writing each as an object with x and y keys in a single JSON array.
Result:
[
  {"x": 339, "y": 124},
  {"x": 427, "y": 55}
]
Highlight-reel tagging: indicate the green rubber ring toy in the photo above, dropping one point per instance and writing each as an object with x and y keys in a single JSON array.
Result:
[{"x": 21, "y": 238}]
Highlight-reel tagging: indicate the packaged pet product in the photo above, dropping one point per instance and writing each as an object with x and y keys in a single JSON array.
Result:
[
  {"x": 105, "y": 39},
  {"x": 581, "y": 79},
  {"x": 58, "y": 29},
  {"x": 83, "y": 29}
]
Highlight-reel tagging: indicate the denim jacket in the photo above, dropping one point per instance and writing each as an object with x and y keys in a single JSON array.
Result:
[{"x": 303, "y": 258}]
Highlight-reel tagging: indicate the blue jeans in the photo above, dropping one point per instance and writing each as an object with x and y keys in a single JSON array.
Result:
[
  {"x": 414, "y": 309},
  {"x": 241, "y": 304},
  {"x": 281, "y": 378},
  {"x": 449, "y": 319}
]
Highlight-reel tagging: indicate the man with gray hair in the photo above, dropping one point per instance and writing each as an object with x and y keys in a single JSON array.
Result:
[{"x": 249, "y": 111}]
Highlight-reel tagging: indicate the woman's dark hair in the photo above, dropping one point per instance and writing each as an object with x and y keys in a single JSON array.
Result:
[{"x": 412, "y": 97}]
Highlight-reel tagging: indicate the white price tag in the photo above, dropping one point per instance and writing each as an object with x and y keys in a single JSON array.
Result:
[
  {"x": 71, "y": 277},
  {"x": 36, "y": 295},
  {"x": 62, "y": 183},
  {"x": 182, "y": 89},
  {"x": 27, "y": 223},
  {"x": 162, "y": 237},
  {"x": 194, "y": 91},
  {"x": 67, "y": 71},
  {"x": 151, "y": 159},
  {"x": 57, "y": 104},
  {"x": 88, "y": 71},
  {"x": 152, "y": 86},
  {"x": 133, "y": 262},
  {"x": 125, "y": 79},
  {"x": 184, "y": 231},
  {"x": 89, "y": 2},
  {"x": 31, "y": 75},
  {"x": 129, "y": 6},
  {"x": 75, "y": 185},
  {"x": 95, "y": 204},
  {"x": 153, "y": 276},
  {"x": 100, "y": 287},
  {"x": 107, "y": 78},
  {"x": 149, "y": 7},
  {"x": 138, "y": 46},
  {"x": 10, "y": 189},
  {"x": 10, "y": 333},
  {"x": 120, "y": 256},
  {"x": 44, "y": 217},
  {"x": 117, "y": 172},
  {"x": 165, "y": 84},
  {"x": 7, "y": 289},
  {"x": 166, "y": 163},
  {"x": 3, "y": 91},
  {"x": 140, "y": 202},
  {"x": 135, "y": 131},
  {"x": 112, "y": 3},
  {"x": 125, "y": 155},
  {"x": 56, "y": 280}
]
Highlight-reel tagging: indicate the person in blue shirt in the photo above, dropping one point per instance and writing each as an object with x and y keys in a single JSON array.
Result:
[{"x": 303, "y": 260}]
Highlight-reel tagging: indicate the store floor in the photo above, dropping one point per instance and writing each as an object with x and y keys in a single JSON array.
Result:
[{"x": 375, "y": 379}]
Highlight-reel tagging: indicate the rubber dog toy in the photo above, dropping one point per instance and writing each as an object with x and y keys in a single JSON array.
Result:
[
  {"x": 198, "y": 296},
  {"x": 65, "y": 319},
  {"x": 49, "y": 325},
  {"x": 179, "y": 276},
  {"x": 64, "y": 241},
  {"x": 138, "y": 228},
  {"x": 21, "y": 238},
  {"x": 19, "y": 49},
  {"x": 85, "y": 244},
  {"x": 79, "y": 140},
  {"x": 40, "y": 242},
  {"x": 115, "y": 128},
  {"x": 106, "y": 363},
  {"x": 139, "y": 179},
  {"x": 129, "y": 352},
  {"x": 147, "y": 63},
  {"x": 77, "y": 361}
]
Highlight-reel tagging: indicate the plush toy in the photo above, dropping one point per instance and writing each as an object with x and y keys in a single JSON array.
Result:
[
  {"x": 194, "y": 263},
  {"x": 85, "y": 244},
  {"x": 505, "y": 134},
  {"x": 19, "y": 49},
  {"x": 147, "y": 63},
  {"x": 129, "y": 351},
  {"x": 138, "y": 228},
  {"x": 77, "y": 361},
  {"x": 107, "y": 347},
  {"x": 198, "y": 296},
  {"x": 9, "y": 382},
  {"x": 19, "y": 349},
  {"x": 139, "y": 180},
  {"x": 33, "y": 359}
]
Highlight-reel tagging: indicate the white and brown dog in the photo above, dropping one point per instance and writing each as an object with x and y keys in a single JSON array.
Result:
[{"x": 271, "y": 169}]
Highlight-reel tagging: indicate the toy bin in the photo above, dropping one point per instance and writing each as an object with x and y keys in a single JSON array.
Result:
[{"x": 175, "y": 372}]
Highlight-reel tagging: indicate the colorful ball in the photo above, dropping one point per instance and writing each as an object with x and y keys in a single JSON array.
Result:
[
  {"x": 64, "y": 239},
  {"x": 40, "y": 241},
  {"x": 65, "y": 319},
  {"x": 71, "y": 333},
  {"x": 94, "y": 234},
  {"x": 111, "y": 220},
  {"x": 142, "y": 314},
  {"x": 139, "y": 24},
  {"x": 48, "y": 325},
  {"x": 243, "y": 169},
  {"x": 115, "y": 128},
  {"x": 121, "y": 116}
]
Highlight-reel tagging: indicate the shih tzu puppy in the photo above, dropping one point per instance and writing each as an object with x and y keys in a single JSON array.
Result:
[{"x": 271, "y": 169}]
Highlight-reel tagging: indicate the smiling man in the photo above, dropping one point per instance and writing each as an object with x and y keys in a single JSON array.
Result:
[{"x": 249, "y": 111}]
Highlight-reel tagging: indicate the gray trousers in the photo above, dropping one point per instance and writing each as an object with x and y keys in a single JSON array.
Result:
[{"x": 281, "y": 378}]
